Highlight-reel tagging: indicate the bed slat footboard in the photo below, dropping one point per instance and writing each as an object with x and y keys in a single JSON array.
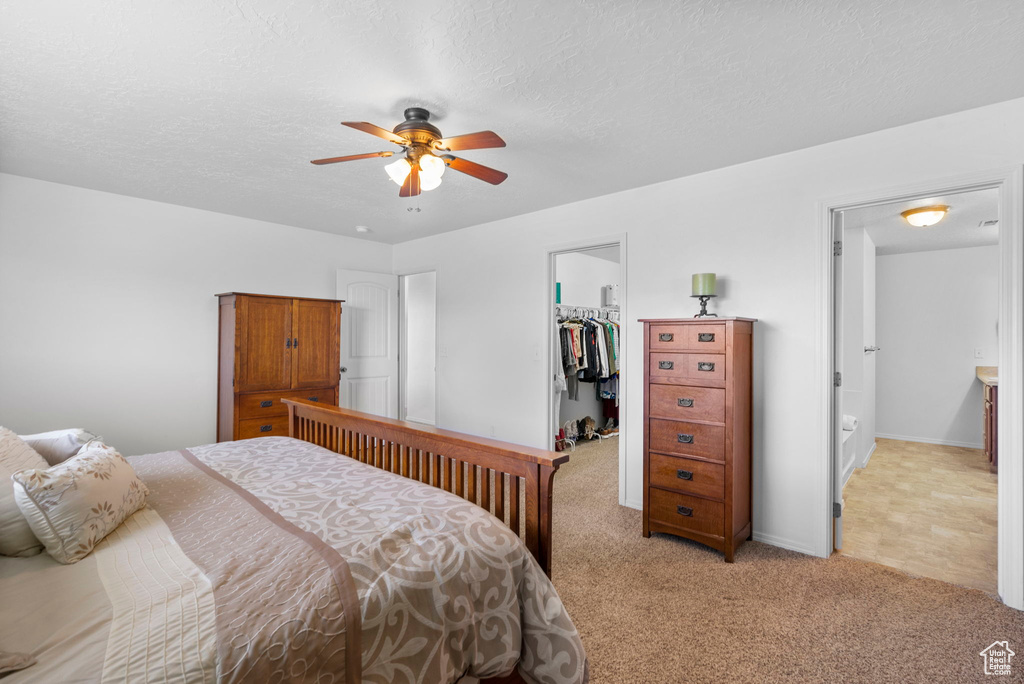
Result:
[{"x": 510, "y": 481}]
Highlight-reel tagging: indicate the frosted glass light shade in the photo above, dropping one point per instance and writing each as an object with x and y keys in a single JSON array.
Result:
[
  {"x": 428, "y": 182},
  {"x": 431, "y": 166},
  {"x": 922, "y": 217},
  {"x": 398, "y": 170}
]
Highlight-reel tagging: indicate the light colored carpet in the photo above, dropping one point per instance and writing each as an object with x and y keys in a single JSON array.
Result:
[{"x": 669, "y": 610}]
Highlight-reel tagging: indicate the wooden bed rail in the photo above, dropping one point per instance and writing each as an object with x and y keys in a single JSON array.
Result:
[{"x": 513, "y": 482}]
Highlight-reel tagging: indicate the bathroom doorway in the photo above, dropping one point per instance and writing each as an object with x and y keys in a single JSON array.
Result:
[
  {"x": 1008, "y": 185},
  {"x": 917, "y": 322}
]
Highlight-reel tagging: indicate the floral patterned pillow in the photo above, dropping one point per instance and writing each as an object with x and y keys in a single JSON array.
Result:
[{"x": 75, "y": 504}]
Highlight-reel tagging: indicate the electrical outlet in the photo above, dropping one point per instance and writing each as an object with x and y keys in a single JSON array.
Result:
[{"x": 979, "y": 353}]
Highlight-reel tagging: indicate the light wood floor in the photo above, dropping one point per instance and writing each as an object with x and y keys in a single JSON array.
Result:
[{"x": 925, "y": 509}]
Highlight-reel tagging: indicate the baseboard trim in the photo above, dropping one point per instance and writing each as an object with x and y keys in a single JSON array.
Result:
[
  {"x": 927, "y": 440},
  {"x": 638, "y": 505},
  {"x": 783, "y": 543},
  {"x": 874, "y": 445}
]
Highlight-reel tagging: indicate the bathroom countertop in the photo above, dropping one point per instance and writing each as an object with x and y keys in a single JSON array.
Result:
[{"x": 989, "y": 375}]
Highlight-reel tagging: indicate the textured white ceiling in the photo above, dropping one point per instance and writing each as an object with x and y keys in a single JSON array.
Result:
[
  {"x": 221, "y": 105},
  {"x": 960, "y": 228}
]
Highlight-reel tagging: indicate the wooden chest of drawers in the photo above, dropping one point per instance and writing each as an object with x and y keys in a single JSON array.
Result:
[{"x": 697, "y": 420}]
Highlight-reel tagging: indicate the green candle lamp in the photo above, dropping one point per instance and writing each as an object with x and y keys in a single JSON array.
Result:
[{"x": 704, "y": 289}]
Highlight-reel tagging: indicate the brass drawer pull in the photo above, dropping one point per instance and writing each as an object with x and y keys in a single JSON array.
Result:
[
  {"x": 267, "y": 404},
  {"x": 705, "y": 366},
  {"x": 685, "y": 439},
  {"x": 705, "y": 337},
  {"x": 686, "y": 403},
  {"x": 665, "y": 337},
  {"x": 683, "y": 510},
  {"x": 666, "y": 365},
  {"x": 266, "y": 428},
  {"x": 684, "y": 474}
]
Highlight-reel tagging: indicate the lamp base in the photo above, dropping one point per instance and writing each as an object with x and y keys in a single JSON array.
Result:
[{"x": 704, "y": 306}]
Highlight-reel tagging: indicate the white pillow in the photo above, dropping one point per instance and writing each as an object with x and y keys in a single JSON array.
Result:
[
  {"x": 16, "y": 538},
  {"x": 72, "y": 506},
  {"x": 58, "y": 446}
]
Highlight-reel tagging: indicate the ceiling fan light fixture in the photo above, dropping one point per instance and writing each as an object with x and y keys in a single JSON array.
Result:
[
  {"x": 398, "y": 170},
  {"x": 923, "y": 217}
]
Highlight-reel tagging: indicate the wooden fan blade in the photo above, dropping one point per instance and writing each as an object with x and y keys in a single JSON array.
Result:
[
  {"x": 484, "y": 173},
  {"x": 375, "y": 130},
  {"x": 470, "y": 141},
  {"x": 411, "y": 186},
  {"x": 351, "y": 157}
]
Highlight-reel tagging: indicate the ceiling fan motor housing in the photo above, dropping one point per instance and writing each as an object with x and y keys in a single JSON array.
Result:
[{"x": 416, "y": 129}]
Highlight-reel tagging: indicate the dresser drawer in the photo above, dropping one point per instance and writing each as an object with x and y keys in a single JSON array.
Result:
[
  {"x": 693, "y": 368},
  {"x": 687, "y": 512},
  {"x": 703, "y": 337},
  {"x": 263, "y": 404},
  {"x": 688, "y": 476},
  {"x": 687, "y": 439},
  {"x": 680, "y": 402},
  {"x": 271, "y": 426}
]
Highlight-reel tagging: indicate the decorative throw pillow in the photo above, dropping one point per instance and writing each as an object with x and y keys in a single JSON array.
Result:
[
  {"x": 75, "y": 504},
  {"x": 16, "y": 538},
  {"x": 58, "y": 446}
]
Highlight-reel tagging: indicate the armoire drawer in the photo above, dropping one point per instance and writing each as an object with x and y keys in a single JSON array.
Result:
[
  {"x": 681, "y": 402},
  {"x": 270, "y": 426},
  {"x": 688, "y": 512},
  {"x": 703, "y": 337},
  {"x": 263, "y": 404},
  {"x": 688, "y": 476},
  {"x": 699, "y": 369},
  {"x": 687, "y": 439}
]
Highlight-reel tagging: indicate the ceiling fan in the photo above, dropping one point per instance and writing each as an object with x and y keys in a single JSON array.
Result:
[{"x": 421, "y": 168}]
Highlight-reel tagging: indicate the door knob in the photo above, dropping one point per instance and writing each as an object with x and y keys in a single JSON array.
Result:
[{"x": 344, "y": 370}]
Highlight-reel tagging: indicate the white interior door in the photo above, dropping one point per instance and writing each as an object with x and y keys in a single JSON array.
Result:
[
  {"x": 837, "y": 390},
  {"x": 369, "y": 342}
]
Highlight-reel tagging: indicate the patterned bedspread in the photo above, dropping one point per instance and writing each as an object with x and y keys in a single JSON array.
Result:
[{"x": 274, "y": 560}]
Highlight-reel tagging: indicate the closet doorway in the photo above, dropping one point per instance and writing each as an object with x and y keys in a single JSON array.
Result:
[
  {"x": 418, "y": 353},
  {"x": 588, "y": 360}
]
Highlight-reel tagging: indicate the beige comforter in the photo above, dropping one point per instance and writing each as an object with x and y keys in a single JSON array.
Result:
[{"x": 275, "y": 560}]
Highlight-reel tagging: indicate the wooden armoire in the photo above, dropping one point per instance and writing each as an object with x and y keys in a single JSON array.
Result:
[
  {"x": 274, "y": 348},
  {"x": 697, "y": 420}
]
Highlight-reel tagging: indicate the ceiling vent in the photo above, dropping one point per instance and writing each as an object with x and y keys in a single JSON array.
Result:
[{"x": 986, "y": 224}]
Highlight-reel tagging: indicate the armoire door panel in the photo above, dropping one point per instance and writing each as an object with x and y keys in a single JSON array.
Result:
[
  {"x": 315, "y": 334},
  {"x": 265, "y": 344}
]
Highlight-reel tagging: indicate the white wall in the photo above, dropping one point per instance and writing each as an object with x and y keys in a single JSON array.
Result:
[
  {"x": 933, "y": 310},
  {"x": 108, "y": 319},
  {"x": 758, "y": 226},
  {"x": 419, "y": 347},
  {"x": 582, "y": 276}
]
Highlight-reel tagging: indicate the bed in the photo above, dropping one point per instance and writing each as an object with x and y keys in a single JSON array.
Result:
[{"x": 357, "y": 550}]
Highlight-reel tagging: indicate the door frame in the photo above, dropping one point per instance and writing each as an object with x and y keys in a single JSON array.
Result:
[
  {"x": 1009, "y": 181},
  {"x": 551, "y": 251},
  {"x": 403, "y": 355}
]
